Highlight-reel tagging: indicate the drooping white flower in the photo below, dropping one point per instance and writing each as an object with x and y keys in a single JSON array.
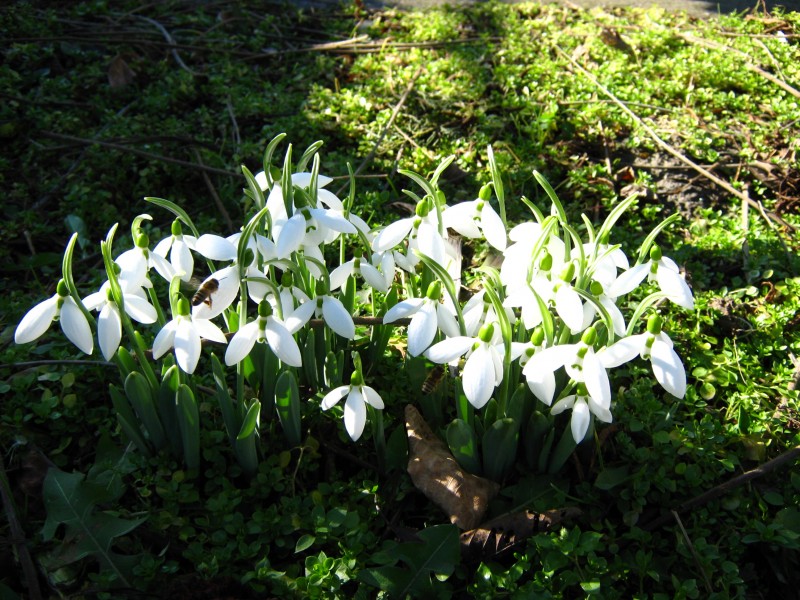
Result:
[
  {"x": 483, "y": 370},
  {"x": 474, "y": 219},
  {"x": 60, "y": 307},
  {"x": 330, "y": 309},
  {"x": 580, "y": 362},
  {"x": 429, "y": 315},
  {"x": 264, "y": 328},
  {"x": 179, "y": 247},
  {"x": 583, "y": 405},
  {"x": 137, "y": 262},
  {"x": 664, "y": 271},
  {"x": 183, "y": 333},
  {"x": 109, "y": 321},
  {"x": 216, "y": 293},
  {"x": 355, "y": 407},
  {"x": 655, "y": 346},
  {"x": 358, "y": 266}
]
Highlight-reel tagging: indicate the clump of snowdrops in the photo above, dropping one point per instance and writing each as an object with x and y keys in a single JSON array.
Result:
[{"x": 284, "y": 299}]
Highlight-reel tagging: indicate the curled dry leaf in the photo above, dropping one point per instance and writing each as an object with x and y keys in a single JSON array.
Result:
[
  {"x": 119, "y": 73},
  {"x": 504, "y": 532},
  {"x": 434, "y": 471}
]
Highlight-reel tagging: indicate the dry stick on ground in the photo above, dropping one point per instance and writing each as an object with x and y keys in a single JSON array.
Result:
[
  {"x": 149, "y": 155},
  {"x": 748, "y": 64},
  {"x": 171, "y": 42},
  {"x": 671, "y": 150},
  {"x": 396, "y": 111},
  {"x": 724, "y": 488},
  {"x": 213, "y": 191}
]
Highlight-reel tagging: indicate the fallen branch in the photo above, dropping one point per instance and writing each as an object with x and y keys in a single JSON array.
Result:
[
  {"x": 724, "y": 488},
  {"x": 213, "y": 191},
  {"x": 171, "y": 42},
  {"x": 670, "y": 149}
]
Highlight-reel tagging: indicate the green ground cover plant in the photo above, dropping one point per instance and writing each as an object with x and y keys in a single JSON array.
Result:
[{"x": 107, "y": 103}]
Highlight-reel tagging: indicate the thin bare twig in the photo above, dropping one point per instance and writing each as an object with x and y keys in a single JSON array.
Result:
[
  {"x": 669, "y": 148},
  {"x": 171, "y": 42},
  {"x": 213, "y": 191},
  {"x": 149, "y": 155},
  {"x": 689, "y": 543},
  {"x": 396, "y": 111},
  {"x": 715, "y": 492}
]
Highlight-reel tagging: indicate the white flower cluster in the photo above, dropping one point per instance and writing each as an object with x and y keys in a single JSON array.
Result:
[{"x": 553, "y": 304}]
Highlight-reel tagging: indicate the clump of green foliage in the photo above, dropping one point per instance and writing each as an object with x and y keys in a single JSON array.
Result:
[{"x": 320, "y": 519}]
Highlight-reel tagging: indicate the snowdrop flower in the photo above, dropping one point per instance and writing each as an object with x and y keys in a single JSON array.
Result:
[
  {"x": 330, "y": 309},
  {"x": 355, "y": 407},
  {"x": 183, "y": 333},
  {"x": 475, "y": 219},
  {"x": 568, "y": 303},
  {"x": 63, "y": 308},
  {"x": 136, "y": 262},
  {"x": 216, "y": 293},
  {"x": 664, "y": 271},
  {"x": 179, "y": 247},
  {"x": 483, "y": 370},
  {"x": 109, "y": 322},
  {"x": 358, "y": 266},
  {"x": 583, "y": 405},
  {"x": 264, "y": 328},
  {"x": 655, "y": 346},
  {"x": 430, "y": 315},
  {"x": 290, "y": 296},
  {"x": 581, "y": 364},
  {"x": 604, "y": 267}
]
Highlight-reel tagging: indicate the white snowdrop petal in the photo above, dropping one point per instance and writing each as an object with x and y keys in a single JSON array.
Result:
[
  {"x": 373, "y": 277},
  {"x": 596, "y": 379},
  {"x": 340, "y": 274},
  {"x": 261, "y": 180},
  {"x": 355, "y": 414},
  {"x": 109, "y": 330},
  {"x": 164, "y": 339},
  {"x": 479, "y": 377},
  {"x": 282, "y": 343},
  {"x": 182, "y": 259},
  {"x": 622, "y": 351},
  {"x": 333, "y": 219},
  {"x": 187, "y": 345},
  {"x": 570, "y": 308},
  {"x": 430, "y": 243},
  {"x": 579, "y": 424},
  {"x": 241, "y": 343},
  {"x": 337, "y": 318},
  {"x": 139, "y": 309},
  {"x": 372, "y": 397},
  {"x": 563, "y": 404},
  {"x": 550, "y": 359},
  {"x": 215, "y": 247},
  {"x": 332, "y": 398},
  {"x": 422, "y": 328},
  {"x": 76, "y": 327},
  {"x": 461, "y": 217},
  {"x": 36, "y": 321},
  {"x": 403, "y": 309},
  {"x": 542, "y": 384},
  {"x": 667, "y": 262},
  {"x": 668, "y": 369},
  {"x": 628, "y": 280},
  {"x": 162, "y": 266},
  {"x": 330, "y": 200},
  {"x": 673, "y": 284},
  {"x": 291, "y": 236},
  {"x": 208, "y": 330},
  {"x": 301, "y": 315},
  {"x": 446, "y": 321},
  {"x": 227, "y": 289},
  {"x": 448, "y": 350},
  {"x": 599, "y": 411},
  {"x": 392, "y": 234},
  {"x": 493, "y": 229}
]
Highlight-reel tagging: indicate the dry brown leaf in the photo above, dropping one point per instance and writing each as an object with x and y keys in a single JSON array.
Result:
[
  {"x": 463, "y": 496},
  {"x": 119, "y": 73}
]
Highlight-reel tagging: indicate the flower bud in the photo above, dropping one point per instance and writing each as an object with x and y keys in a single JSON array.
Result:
[
  {"x": 568, "y": 273},
  {"x": 142, "y": 241},
  {"x": 182, "y": 307},
  {"x": 596, "y": 288},
  {"x": 423, "y": 207},
  {"x": 264, "y": 309},
  {"x": 589, "y": 336},
  {"x": 547, "y": 262},
  {"x": 356, "y": 379},
  {"x": 176, "y": 228},
  {"x": 62, "y": 288},
  {"x": 286, "y": 279},
  {"x": 537, "y": 337},
  {"x": 486, "y": 192}
]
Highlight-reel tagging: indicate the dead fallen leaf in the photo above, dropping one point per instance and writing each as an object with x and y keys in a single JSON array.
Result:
[{"x": 119, "y": 73}]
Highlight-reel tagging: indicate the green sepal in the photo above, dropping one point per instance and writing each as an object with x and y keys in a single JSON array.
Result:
[
  {"x": 141, "y": 397},
  {"x": 189, "y": 423},
  {"x": 500, "y": 448},
  {"x": 463, "y": 444},
  {"x": 128, "y": 421},
  {"x": 287, "y": 403}
]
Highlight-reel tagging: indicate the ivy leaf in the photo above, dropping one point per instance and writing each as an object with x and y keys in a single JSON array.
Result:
[{"x": 71, "y": 501}]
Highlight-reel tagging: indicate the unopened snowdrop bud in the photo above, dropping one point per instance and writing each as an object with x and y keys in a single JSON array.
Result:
[
  {"x": 486, "y": 192},
  {"x": 537, "y": 337},
  {"x": 655, "y": 253}
]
